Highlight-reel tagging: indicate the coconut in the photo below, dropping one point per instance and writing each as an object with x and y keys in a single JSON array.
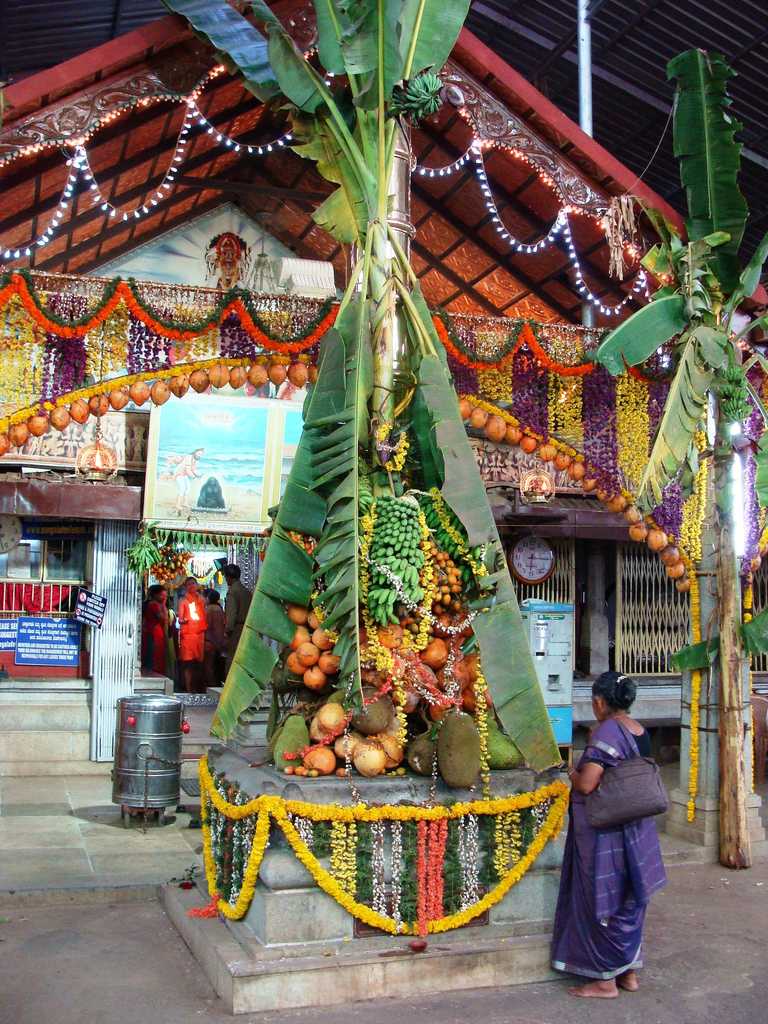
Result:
[
  {"x": 237, "y": 377},
  {"x": 315, "y": 679},
  {"x": 5, "y": 444},
  {"x": 139, "y": 392},
  {"x": 308, "y": 654},
  {"x": 547, "y": 453},
  {"x": 528, "y": 444},
  {"x": 562, "y": 461},
  {"x": 669, "y": 555},
  {"x": 617, "y": 503},
  {"x": 301, "y": 636},
  {"x": 159, "y": 392},
  {"x": 495, "y": 429},
  {"x": 60, "y": 418},
  {"x": 331, "y": 717},
  {"x": 513, "y": 435},
  {"x": 293, "y": 665},
  {"x": 321, "y": 640},
  {"x": 657, "y": 539},
  {"x": 179, "y": 386},
  {"x": 198, "y": 381},
  {"x": 478, "y": 418},
  {"x": 320, "y": 759},
  {"x": 676, "y": 571},
  {"x": 298, "y": 374},
  {"x": 682, "y": 586},
  {"x": 99, "y": 405},
  {"x": 369, "y": 758},
  {"x": 312, "y": 621},
  {"x": 633, "y": 514},
  {"x": 19, "y": 435},
  {"x": 218, "y": 375},
  {"x": 588, "y": 484},
  {"x": 421, "y": 754},
  {"x": 119, "y": 398},
  {"x": 313, "y": 374},
  {"x": 277, "y": 373},
  {"x": 346, "y": 744},
  {"x": 435, "y": 654},
  {"x": 296, "y": 613},
  {"x": 577, "y": 470},
  {"x": 375, "y": 717},
  {"x": 79, "y": 411},
  {"x": 392, "y": 749},
  {"x": 465, "y": 409},
  {"x": 391, "y": 636},
  {"x": 329, "y": 663},
  {"x": 38, "y": 425},
  {"x": 257, "y": 375},
  {"x": 316, "y": 734},
  {"x": 638, "y": 531}
]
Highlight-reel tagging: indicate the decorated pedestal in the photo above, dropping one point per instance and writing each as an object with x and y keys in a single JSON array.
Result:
[{"x": 343, "y": 889}]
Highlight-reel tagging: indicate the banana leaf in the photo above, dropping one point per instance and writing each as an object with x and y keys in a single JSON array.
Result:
[
  {"x": 755, "y": 634},
  {"x": 506, "y": 658},
  {"x": 636, "y": 339},
  {"x": 761, "y": 476},
  {"x": 428, "y": 32},
  {"x": 750, "y": 275},
  {"x": 694, "y": 656},
  {"x": 683, "y": 412},
  {"x": 239, "y": 45},
  {"x": 705, "y": 144}
]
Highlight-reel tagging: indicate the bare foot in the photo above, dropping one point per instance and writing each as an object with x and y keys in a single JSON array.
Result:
[
  {"x": 596, "y": 990},
  {"x": 628, "y": 981}
]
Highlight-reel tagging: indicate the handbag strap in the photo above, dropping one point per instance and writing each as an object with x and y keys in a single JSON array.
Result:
[{"x": 632, "y": 737}]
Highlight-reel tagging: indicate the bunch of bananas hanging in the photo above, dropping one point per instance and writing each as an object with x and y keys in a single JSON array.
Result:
[
  {"x": 364, "y": 495},
  {"x": 173, "y": 563},
  {"x": 734, "y": 395},
  {"x": 395, "y": 551},
  {"x": 450, "y": 536},
  {"x": 144, "y": 554}
]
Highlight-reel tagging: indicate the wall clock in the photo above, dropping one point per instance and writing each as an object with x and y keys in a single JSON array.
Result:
[
  {"x": 10, "y": 533},
  {"x": 532, "y": 560}
]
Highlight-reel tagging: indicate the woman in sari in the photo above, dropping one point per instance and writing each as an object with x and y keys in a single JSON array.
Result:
[
  {"x": 154, "y": 630},
  {"x": 608, "y": 877}
]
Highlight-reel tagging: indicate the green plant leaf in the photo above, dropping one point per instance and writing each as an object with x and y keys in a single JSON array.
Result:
[
  {"x": 683, "y": 412},
  {"x": 694, "y": 656},
  {"x": 330, "y": 25},
  {"x": 713, "y": 346},
  {"x": 239, "y": 45},
  {"x": 428, "y": 32},
  {"x": 296, "y": 78},
  {"x": 633, "y": 341},
  {"x": 705, "y": 144},
  {"x": 761, "y": 477},
  {"x": 506, "y": 658},
  {"x": 750, "y": 275},
  {"x": 755, "y": 633}
]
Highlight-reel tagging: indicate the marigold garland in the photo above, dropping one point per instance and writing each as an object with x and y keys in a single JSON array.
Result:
[
  {"x": 632, "y": 426},
  {"x": 270, "y": 807},
  {"x": 696, "y": 676},
  {"x": 694, "y": 508}
]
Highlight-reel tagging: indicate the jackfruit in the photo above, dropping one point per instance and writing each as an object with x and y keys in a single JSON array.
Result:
[
  {"x": 502, "y": 752},
  {"x": 458, "y": 751},
  {"x": 293, "y": 736}
]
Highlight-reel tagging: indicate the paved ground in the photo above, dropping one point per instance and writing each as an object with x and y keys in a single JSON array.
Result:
[
  {"x": 65, "y": 831},
  {"x": 124, "y": 964}
]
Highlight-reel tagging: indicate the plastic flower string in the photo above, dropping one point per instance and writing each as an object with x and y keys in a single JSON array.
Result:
[
  {"x": 632, "y": 427},
  {"x": 396, "y": 869},
  {"x": 379, "y": 901},
  {"x": 669, "y": 514},
  {"x": 600, "y": 445},
  {"x": 696, "y": 676},
  {"x": 529, "y": 397},
  {"x": 469, "y": 860},
  {"x": 495, "y": 385},
  {"x": 564, "y": 395},
  {"x": 481, "y": 721},
  {"x": 694, "y": 508}
]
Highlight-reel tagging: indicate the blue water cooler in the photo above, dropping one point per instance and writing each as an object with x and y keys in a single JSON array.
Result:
[{"x": 549, "y": 627}]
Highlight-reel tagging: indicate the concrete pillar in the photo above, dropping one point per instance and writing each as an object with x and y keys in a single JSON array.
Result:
[{"x": 595, "y": 630}]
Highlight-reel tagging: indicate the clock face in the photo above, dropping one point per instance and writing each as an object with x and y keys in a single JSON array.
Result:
[
  {"x": 10, "y": 533},
  {"x": 533, "y": 560}
]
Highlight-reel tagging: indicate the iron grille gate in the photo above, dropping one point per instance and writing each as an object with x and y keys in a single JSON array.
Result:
[{"x": 113, "y": 647}]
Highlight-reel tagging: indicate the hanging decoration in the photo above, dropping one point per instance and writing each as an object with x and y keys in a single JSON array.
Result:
[{"x": 425, "y": 842}]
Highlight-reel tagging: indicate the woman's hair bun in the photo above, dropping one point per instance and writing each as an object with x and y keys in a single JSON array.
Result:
[{"x": 617, "y": 690}]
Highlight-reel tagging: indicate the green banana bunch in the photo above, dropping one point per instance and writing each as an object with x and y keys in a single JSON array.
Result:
[
  {"x": 396, "y": 546},
  {"x": 733, "y": 395}
]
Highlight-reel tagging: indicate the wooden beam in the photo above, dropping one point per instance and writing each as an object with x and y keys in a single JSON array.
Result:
[
  {"x": 463, "y": 286},
  {"x": 248, "y": 188}
]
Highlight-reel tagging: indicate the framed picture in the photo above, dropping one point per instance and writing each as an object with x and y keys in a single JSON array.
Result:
[{"x": 217, "y": 462}]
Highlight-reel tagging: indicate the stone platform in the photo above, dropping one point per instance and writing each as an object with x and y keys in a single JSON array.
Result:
[{"x": 296, "y": 947}]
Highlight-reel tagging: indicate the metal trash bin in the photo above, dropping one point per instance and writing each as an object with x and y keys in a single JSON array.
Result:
[{"x": 147, "y": 765}]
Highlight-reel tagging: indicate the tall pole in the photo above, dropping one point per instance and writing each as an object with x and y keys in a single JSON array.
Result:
[{"x": 585, "y": 103}]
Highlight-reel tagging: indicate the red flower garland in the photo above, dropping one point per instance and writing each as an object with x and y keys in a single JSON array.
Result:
[{"x": 421, "y": 877}]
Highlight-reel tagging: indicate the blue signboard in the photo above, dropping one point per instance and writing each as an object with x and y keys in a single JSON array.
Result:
[
  {"x": 8, "y": 629},
  {"x": 48, "y": 642}
]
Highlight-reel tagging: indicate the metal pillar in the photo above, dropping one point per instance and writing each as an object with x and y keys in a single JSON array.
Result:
[
  {"x": 113, "y": 647},
  {"x": 584, "y": 32}
]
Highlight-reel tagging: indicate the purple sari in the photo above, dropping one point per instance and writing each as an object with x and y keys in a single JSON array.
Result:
[{"x": 607, "y": 880}]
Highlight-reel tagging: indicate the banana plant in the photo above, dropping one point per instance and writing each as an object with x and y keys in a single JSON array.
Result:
[{"x": 375, "y": 68}]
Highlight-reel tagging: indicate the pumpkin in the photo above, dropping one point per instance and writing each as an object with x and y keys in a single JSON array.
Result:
[
  {"x": 298, "y": 374},
  {"x": 301, "y": 636},
  {"x": 478, "y": 418},
  {"x": 682, "y": 586},
  {"x": 676, "y": 571},
  {"x": 257, "y": 375},
  {"x": 160, "y": 392},
  {"x": 60, "y": 418},
  {"x": 617, "y": 503},
  {"x": 329, "y": 663},
  {"x": 495, "y": 429},
  {"x": 657, "y": 539},
  {"x": 547, "y": 453},
  {"x": 638, "y": 531},
  {"x": 577, "y": 471},
  {"x": 633, "y": 514},
  {"x": 139, "y": 392},
  {"x": 179, "y": 385},
  {"x": 588, "y": 484},
  {"x": 198, "y": 381},
  {"x": 669, "y": 555},
  {"x": 19, "y": 435},
  {"x": 5, "y": 444},
  {"x": 277, "y": 373},
  {"x": 118, "y": 398},
  {"x": 331, "y": 718},
  {"x": 298, "y": 614},
  {"x": 562, "y": 461},
  {"x": 315, "y": 678},
  {"x": 435, "y": 654},
  {"x": 465, "y": 409},
  {"x": 79, "y": 411},
  {"x": 307, "y": 654},
  {"x": 528, "y": 444},
  {"x": 513, "y": 435},
  {"x": 99, "y": 405},
  {"x": 38, "y": 425},
  {"x": 321, "y": 640},
  {"x": 320, "y": 759},
  {"x": 237, "y": 377},
  {"x": 218, "y": 375}
]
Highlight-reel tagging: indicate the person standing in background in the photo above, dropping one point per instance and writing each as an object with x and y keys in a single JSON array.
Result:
[
  {"x": 237, "y": 604},
  {"x": 192, "y": 626},
  {"x": 154, "y": 630},
  {"x": 215, "y": 638}
]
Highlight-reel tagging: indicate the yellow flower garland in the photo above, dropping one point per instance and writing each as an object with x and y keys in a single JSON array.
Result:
[
  {"x": 632, "y": 426},
  {"x": 481, "y": 721},
  {"x": 478, "y": 568},
  {"x": 274, "y": 807},
  {"x": 694, "y": 508},
  {"x": 693, "y": 757}
]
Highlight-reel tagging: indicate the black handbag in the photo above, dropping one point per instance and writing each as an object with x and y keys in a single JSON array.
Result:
[{"x": 629, "y": 791}]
